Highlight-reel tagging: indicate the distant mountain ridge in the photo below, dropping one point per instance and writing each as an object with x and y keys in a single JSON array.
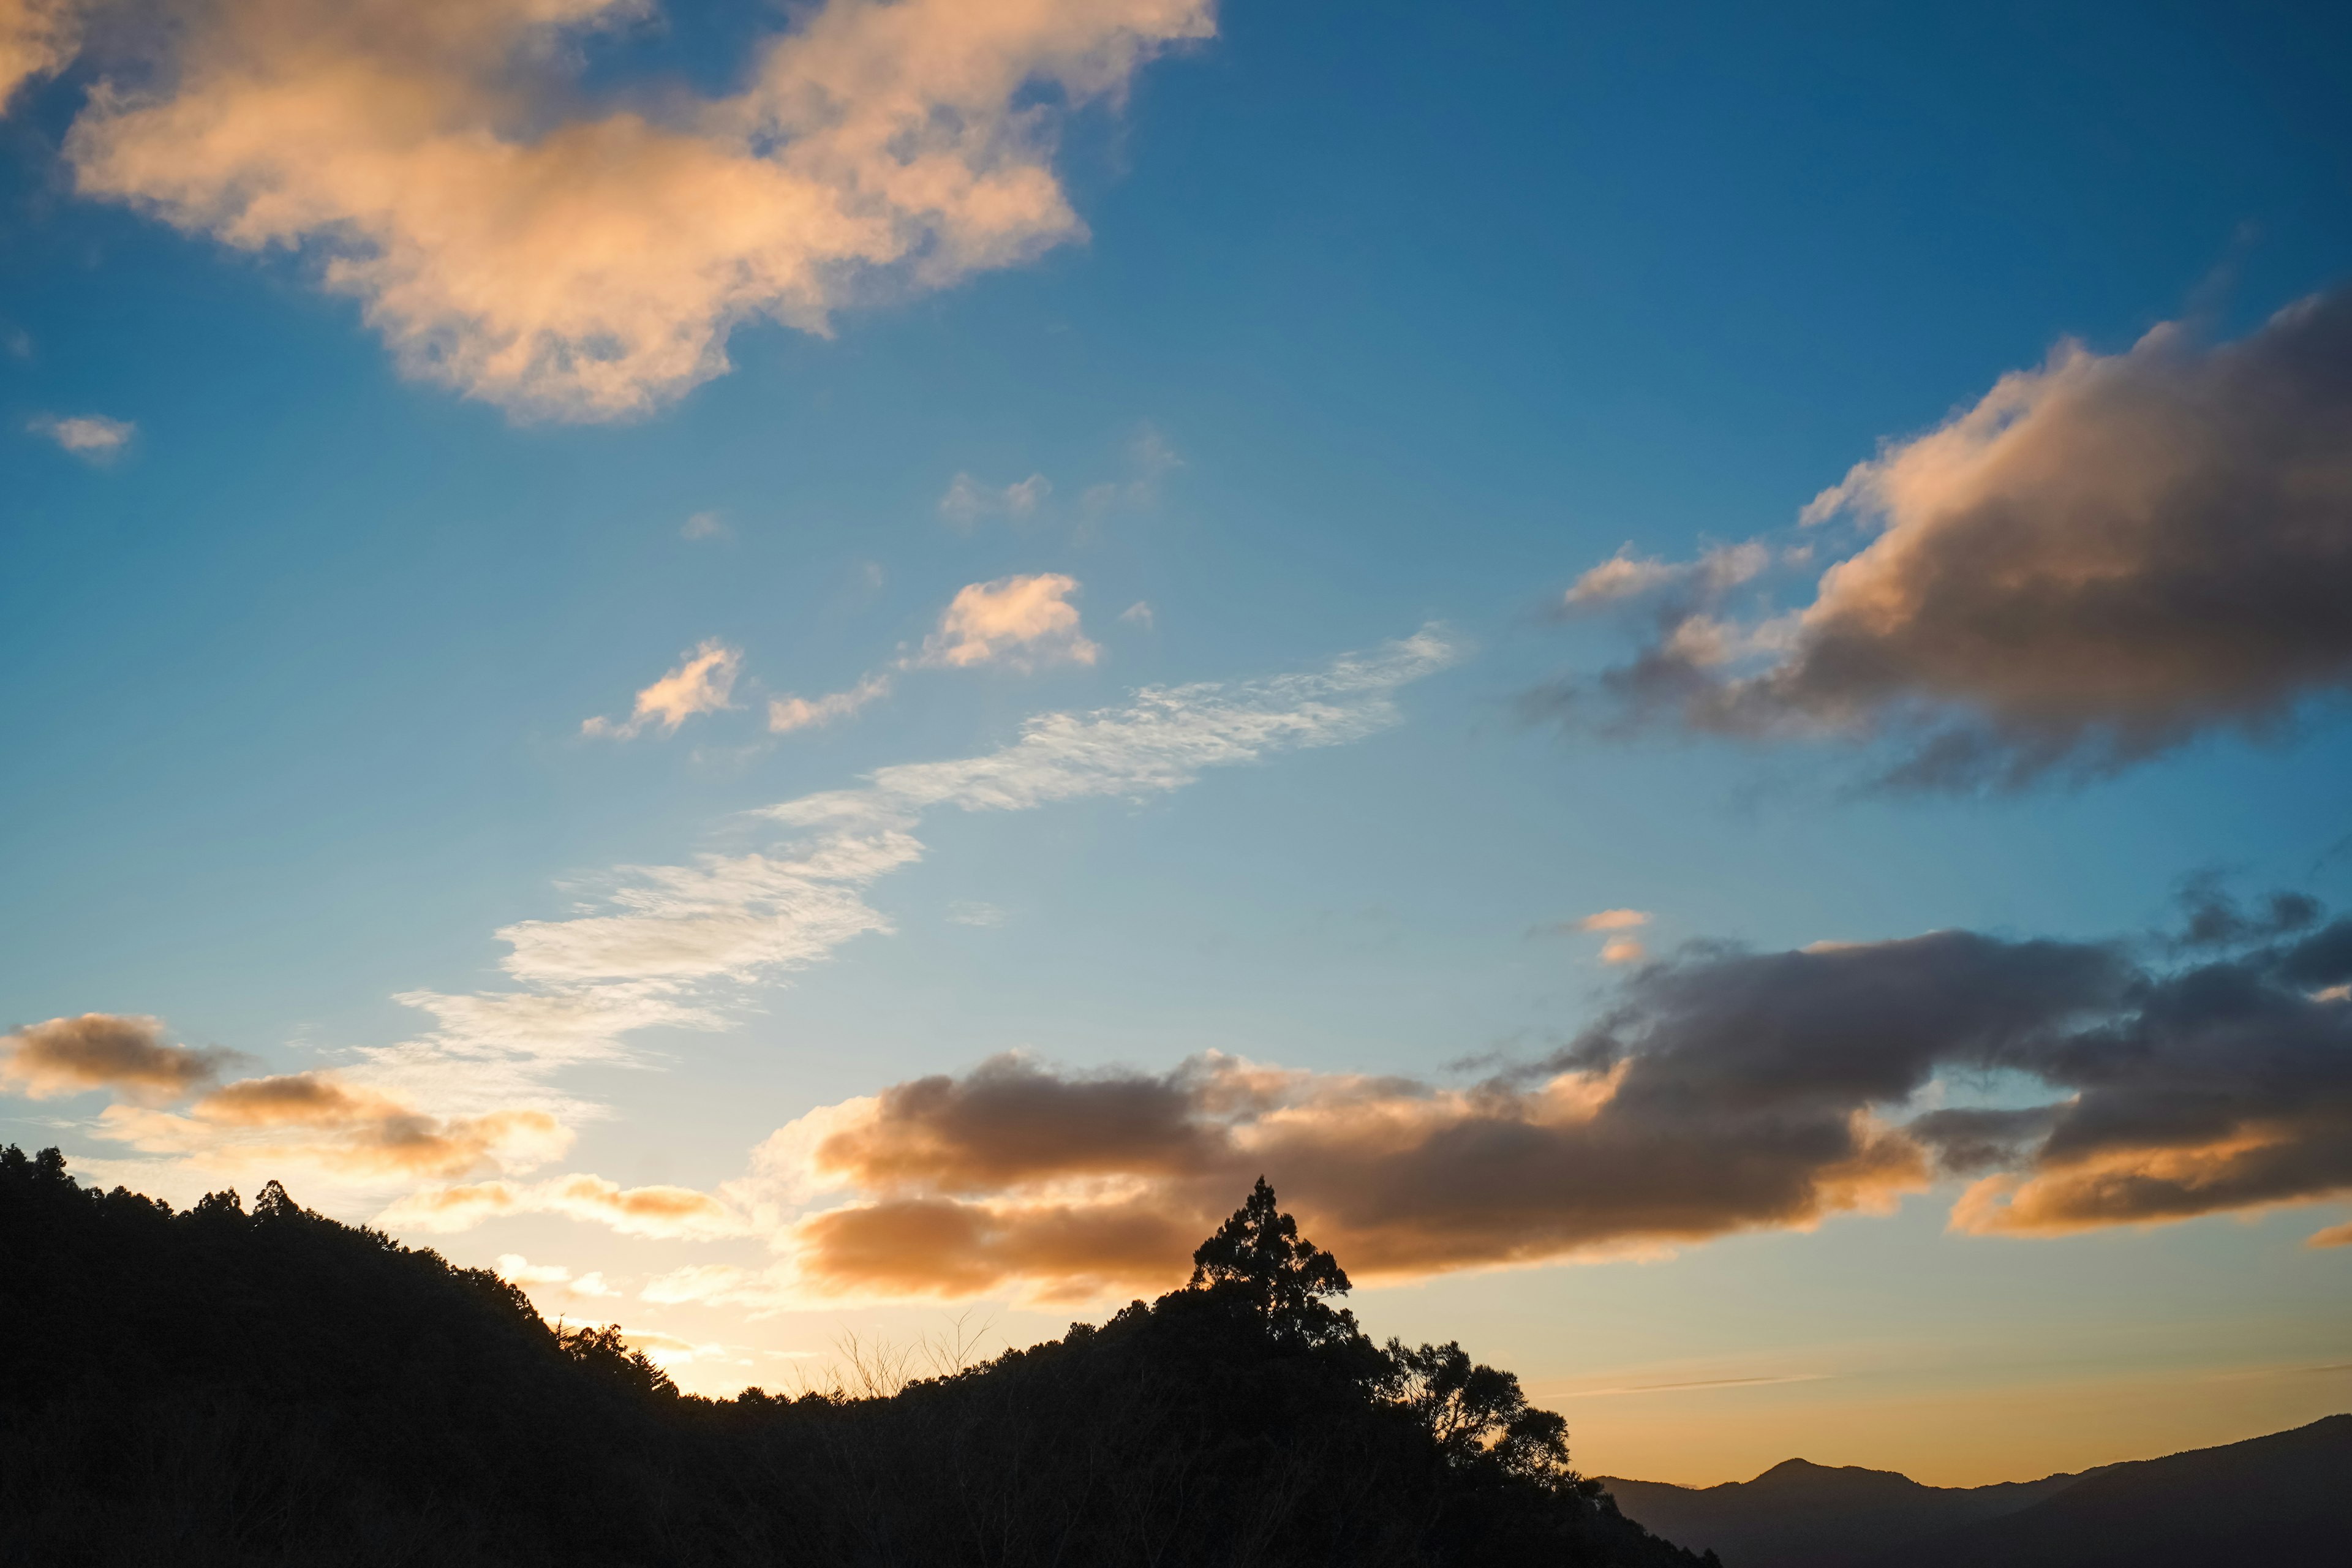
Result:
[{"x": 2281, "y": 1499}]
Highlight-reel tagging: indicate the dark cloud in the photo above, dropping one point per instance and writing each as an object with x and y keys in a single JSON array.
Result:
[
  {"x": 1725, "y": 1091},
  {"x": 104, "y": 1050},
  {"x": 2212, "y": 918},
  {"x": 2102, "y": 558}
]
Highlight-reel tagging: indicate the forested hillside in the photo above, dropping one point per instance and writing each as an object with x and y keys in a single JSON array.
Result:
[{"x": 270, "y": 1386}]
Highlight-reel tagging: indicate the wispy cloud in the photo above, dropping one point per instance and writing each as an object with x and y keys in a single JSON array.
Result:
[
  {"x": 673, "y": 947},
  {"x": 702, "y": 682},
  {"x": 703, "y": 525},
  {"x": 673, "y": 1213},
  {"x": 968, "y": 502},
  {"x": 787, "y": 714},
  {"x": 93, "y": 437},
  {"x": 514, "y": 239}
]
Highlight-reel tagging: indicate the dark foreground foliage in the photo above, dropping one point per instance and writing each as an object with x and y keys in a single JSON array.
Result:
[{"x": 275, "y": 1388}]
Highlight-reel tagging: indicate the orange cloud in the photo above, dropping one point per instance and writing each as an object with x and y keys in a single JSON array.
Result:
[
  {"x": 1720, "y": 1091},
  {"x": 787, "y": 714},
  {"x": 36, "y": 37},
  {"x": 512, "y": 241},
  {"x": 1024, "y": 621},
  {"x": 652, "y": 1211},
  {"x": 702, "y": 683},
  {"x": 1021, "y": 1180},
  {"x": 105, "y": 1050},
  {"x": 338, "y": 1126}
]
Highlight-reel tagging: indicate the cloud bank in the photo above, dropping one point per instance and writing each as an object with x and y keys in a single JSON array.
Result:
[
  {"x": 566, "y": 253},
  {"x": 1725, "y": 1091},
  {"x": 2102, "y": 558}
]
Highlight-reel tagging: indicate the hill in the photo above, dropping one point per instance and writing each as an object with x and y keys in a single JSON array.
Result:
[
  {"x": 2282, "y": 1498},
  {"x": 271, "y": 1387},
  {"x": 1798, "y": 1514}
]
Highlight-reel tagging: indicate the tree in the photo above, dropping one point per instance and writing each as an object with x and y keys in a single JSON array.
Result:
[{"x": 1256, "y": 1258}]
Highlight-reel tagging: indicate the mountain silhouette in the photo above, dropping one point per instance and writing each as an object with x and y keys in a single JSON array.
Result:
[
  {"x": 269, "y": 1387},
  {"x": 2282, "y": 1498}
]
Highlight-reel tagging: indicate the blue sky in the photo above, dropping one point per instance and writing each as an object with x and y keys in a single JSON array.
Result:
[{"x": 1379, "y": 318}]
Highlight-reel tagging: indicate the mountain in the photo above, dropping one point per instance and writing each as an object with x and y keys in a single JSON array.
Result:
[
  {"x": 2284, "y": 1499},
  {"x": 1798, "y": 1514},
  {"x": 2281, "y": 1499},
  {"x": 270, "y": 1388}
]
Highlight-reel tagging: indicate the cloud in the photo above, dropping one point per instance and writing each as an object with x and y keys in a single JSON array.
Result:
[
  {"x": 1613, "y": 919},
  {"x": 2102, "y": 558},
  {"x": 673, "y": 1213},
  {"x": 1021, "y": 621},
  {"x": 2333, "y": 1235},
  {"x": 37, "y": 36},
  {"x": 326, "y": 1122},
  {"x": 702, "y": 683},
  {"x": 703, "y": 525},
  {"x": 1622, "y": 950},
  {"x": 671, "y": 947},
  {"x": 90, "y": 435},
  {"x": 1723, "y": 1090},
  {"x": 516, "y": 1269},
  {"x": 971, "y": 912},
  {"x": 1625, "y": 575},
  {"x": 105, "y": 1050},
  {"x": 787, "y": 714},
  {"x": 1150, "y": 459},
  {"x": 967, "y": 501},
  {"x": 569, "y": 251},
  {"x": 1138, "y": 614}
]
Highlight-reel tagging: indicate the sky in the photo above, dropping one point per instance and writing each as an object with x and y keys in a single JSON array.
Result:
[{"x": 824, "y": 670}]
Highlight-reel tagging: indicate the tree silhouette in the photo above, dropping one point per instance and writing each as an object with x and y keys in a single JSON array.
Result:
[
  {"x": 1257, "y": 1258},
  {"x": 272, "y": 1388}
]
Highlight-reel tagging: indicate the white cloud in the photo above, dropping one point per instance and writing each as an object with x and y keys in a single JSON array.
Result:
[
  {"x": 1138, "y": 614},
  {"x": 787, "y": 714},
  {"x": 90, "y": 435},
  {"x": 516, "y": 1269},
  {"x": 515, "y": 238},
  {"x": 703, "y": 682},
  {"x": 971, "y": 912},
  {"x": 669, "y": 947},
  {"x": 1021, "y": 621},
  {"x": 703, "y": 525},
  {"x": 967, "y": 501}
]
